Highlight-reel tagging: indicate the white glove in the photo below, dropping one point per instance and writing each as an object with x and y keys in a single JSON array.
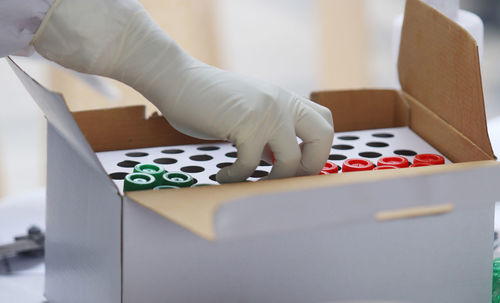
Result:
[{"x": 118, "y": 39}]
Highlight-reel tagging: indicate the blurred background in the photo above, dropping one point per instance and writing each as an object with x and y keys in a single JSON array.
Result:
[{"x": 302, "y": 45}]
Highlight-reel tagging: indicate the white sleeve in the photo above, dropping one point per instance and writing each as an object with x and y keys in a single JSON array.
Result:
[{"x": 19, "y": 20}]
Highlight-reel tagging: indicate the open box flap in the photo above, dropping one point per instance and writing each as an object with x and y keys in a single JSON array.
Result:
[
  {"x": 57, "y": 113},
  {"x": 197, "y": 209},
  {"x": 439, "y": 66}
]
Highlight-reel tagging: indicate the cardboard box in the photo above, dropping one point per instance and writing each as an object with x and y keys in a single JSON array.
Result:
[{"x": 307, "y": 239}]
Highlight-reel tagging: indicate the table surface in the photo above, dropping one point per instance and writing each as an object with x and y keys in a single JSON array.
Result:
[{"x": 19, "y": 212}]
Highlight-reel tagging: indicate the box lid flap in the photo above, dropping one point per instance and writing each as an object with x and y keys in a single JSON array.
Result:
[
  {"x": 439, "y": 66},
  {"x": 56, "y": 111},
  {"x": 197, "y": 209}
]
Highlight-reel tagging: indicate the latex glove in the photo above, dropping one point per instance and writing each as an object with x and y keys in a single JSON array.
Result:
[{"x": 118, "y": 39}]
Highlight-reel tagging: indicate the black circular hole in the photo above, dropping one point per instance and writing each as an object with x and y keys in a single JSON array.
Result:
[
  {"x": 342, "y": 146},
  {"x": 213, "y": 178},
  {"x": 232, "y": 155},
  {"x": 264, "y": 163},
  {"x": 223, "y": 164},
  {"x": 172, "y": 151},
  {"x": 377, "y": 144},
  {"x": 259, "y": 174},
  {"x": 201, "y": 158},
  {"x": 405, "y": 152},
  {"x": 128, "y": 163},
  {"x": 136, "y": 154},
  {"x": 370, "y": 155},
  {"x": 208, "y": 148},
  {"x": 348, "y": 138},
  {"x": 118, "y": 176},
  {"x": 383, "y": 135},
  {"x": 165, "y": 161},
  {"x": 192, "y": 169},
  {"x": 337, "y": 157}
]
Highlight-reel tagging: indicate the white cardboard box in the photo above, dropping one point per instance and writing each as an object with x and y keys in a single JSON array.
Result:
[{"x": 308, "y": 239}]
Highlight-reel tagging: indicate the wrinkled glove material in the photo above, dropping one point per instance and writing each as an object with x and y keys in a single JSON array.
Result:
[{"x": 118, "y": 39}]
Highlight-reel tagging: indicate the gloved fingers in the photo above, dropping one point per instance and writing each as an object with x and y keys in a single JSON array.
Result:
[
  {"x": 323, "y": 111},
  {"x": 286, "y": 154},
  {"x": 317, "y": 137},
  {"x": 249, "y": 154}
]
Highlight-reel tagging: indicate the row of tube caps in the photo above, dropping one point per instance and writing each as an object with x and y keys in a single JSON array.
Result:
[
  {"x": 394, "y": 162},
  {"x": 151, "y": 176}
]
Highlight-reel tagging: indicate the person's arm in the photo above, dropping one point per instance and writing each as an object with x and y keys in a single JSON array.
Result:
[
  {"x": 19, "y": 20},
  {"x": 118, "y": 39}
]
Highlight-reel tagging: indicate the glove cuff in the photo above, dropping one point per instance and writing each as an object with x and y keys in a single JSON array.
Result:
[
  {"x": 116, "y": 39},
  {"x": 45, "y": 21}
]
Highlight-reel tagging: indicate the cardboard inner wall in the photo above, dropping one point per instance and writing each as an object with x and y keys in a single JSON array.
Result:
[
  {"x": 364, "y": 109},
  {"x": 370, "y": 109},
  {"x": 128, "y": 128}
]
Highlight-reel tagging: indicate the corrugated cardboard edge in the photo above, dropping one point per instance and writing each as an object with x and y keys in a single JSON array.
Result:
[
  {"x": 195, "y": 208},
  {"x": 439, "y": 66}
]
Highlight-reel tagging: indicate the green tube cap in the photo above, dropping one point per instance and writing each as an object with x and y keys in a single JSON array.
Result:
[
  {"x": 151, "y": 169},
  {"x": 177, "y": 179},
  {"x": 496, "y": 281},
  {"x": 138, "y": 181}
]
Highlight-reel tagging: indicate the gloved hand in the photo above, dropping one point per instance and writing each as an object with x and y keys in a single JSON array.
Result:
[{"x": 118, "y": 39}]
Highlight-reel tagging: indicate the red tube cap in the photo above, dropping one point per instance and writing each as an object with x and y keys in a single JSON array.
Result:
[
  {"x": 330, "y": 168},
  {"x": 431, "y": 159},
  {"x": 357, "y": 165},
  {"x": 397, "y": 161}
]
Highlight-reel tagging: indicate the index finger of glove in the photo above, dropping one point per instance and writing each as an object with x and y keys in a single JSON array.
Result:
[{"x": 317, "y": 137}]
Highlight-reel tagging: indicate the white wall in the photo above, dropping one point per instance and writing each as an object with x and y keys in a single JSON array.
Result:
[
  {"x": 22, "y": 132},
  {"x": 271, "y": 40}
]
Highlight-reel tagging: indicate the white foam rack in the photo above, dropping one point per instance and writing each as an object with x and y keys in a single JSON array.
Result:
[{"x": 203, "y": 161}]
